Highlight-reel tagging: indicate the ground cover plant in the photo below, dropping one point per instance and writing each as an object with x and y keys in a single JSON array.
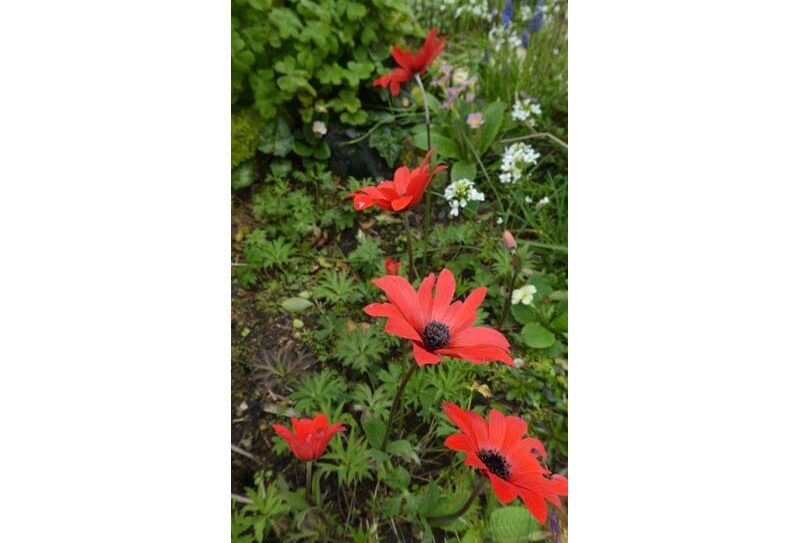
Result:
[{"x": 399, "y": 311}]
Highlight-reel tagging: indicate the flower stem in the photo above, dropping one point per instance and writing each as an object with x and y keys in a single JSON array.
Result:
[
  {"x": 426, "y": 225},
  {"x": 412, "y": 271},
  {"x": 507, "y": 305},
  {"x": 396, "y": 403},
  {"x": 308, "y": 479},
  {"x": 443, "y": 519}
]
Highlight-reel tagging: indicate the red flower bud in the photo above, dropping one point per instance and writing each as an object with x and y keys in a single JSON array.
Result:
[
  {"x": 392, "y": 266},
  {"x": 509, "y": 241}
]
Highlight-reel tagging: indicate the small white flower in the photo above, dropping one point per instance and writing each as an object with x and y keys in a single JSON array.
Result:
[
  {"x": 543, "y": 202},
  {"x": 523, "y": 295},
  {"x": 499, "y": 220},
  {"x": 524, "y": 108},
  {"x": 459, "y": 193},
  {"x": 516, "y": 159},
  {"x": 528, "y": 200},
  {"x": 319, "y": 128}
]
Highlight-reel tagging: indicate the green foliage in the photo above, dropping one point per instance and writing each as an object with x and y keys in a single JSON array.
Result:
[
  {"x": 350, "y": 463},
  {"x": 292, "y": 55},
  {"x": 337, "y": 287},
  {"x": 514, "y": 524},
  {"x": 361, "y": 348},
  {"x": 245, "y": 126},
  {"x": 319, "y": 393},
  {"x": 254, "y": 521},
  {"x": 367, "y": 257},
  {"x": 285, "y": 211}
]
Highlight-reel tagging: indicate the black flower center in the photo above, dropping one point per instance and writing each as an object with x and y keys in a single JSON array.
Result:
[
  {"x": 436, "y": 335},
  {"x": 495, "y": 462}
]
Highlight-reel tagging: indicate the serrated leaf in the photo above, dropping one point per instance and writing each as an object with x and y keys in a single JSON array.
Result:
[
  {"x": 537, "y": 336},
  {"x": 276, "y": 139},
  {"x": 242, "y": 176},
  {"x": 403, "y": 448},
  {"x": 296, "y": 305}
]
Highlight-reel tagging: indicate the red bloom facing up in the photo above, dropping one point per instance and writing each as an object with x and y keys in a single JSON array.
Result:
[
  {"x": 392, "y": 266},
  {"x": 435, "y": 326},
  {"x": 511, "y": 462},
  {"x": 403, "y": 192},
  {"x": 410, "y": 64},
  {"x": 310, "y": 436}
]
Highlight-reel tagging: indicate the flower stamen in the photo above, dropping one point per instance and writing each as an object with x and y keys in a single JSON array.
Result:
[
  {"x": 495, "y": 462},
  {"x": 436, "y": 335}
]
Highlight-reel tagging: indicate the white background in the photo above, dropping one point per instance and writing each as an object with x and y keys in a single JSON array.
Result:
[{"x": 114, "y": 283}]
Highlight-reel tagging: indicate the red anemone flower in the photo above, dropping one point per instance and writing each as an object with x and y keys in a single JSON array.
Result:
[
  {"x": 392, "y": 266},
  {"x": 403, "y": 192},
  {"x": 310, "y": 436},
  {"x": 511, "y": 462},
  {"x": 435, "y": 326},
  {"x": 410, "y": 64}
]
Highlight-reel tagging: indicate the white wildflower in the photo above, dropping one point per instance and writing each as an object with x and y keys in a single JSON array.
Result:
[
  {"x": 504, "y": 36},
  {"x": 524, "y": 108},
  {"x": 528, "y": 200},
  {"x": 543, "y": 202},
  {"x": 319, "y": 128},
  {"x": 526, "y": 13},
  {"x": 516, "y": 159},
  {"x": 523, "y": 295},
  {"x": 499, "y": 220},
  {"x": 460, "y": 76},
  {"x": 459, "y": 193}
]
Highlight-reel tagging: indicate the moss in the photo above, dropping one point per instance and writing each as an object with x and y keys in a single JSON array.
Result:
[{"x": 245, "y": 126}]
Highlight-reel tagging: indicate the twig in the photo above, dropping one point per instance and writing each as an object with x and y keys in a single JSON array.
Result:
[
  {"x": 243, "y": 452},
  {"x": 241, "y": 499}
]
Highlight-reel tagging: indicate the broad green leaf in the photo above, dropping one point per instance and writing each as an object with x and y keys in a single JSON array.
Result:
[
  {"x": 444, "y": 146},
  {"x": 537, "y": 336},
  {"x": 559, "y": 324},
  {"x": 375, "y": 429},
  {"x": 403, "y": 448},
  {"x": 296, "y": 305},
  {"x": 524, "y": 314},
  {"x": 280, "y": 168},
  {"x": 276, "y": 139},
  {"x": 494, "y": 121},
  {"x": 242, "y": 176},
  {"x": 513, "y": 524},
  {"x": 462, "y": 170}
]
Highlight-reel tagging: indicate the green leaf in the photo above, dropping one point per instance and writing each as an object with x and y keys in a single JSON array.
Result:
[
  {"x": 242, "y": 176},
  {"x": 280, "y": 168},
  {"x": 355, "y": 11},
  {"x": 462, "y": 170},
  {"x": 524, "y": 314},
  {"x": 375, "y": 429},
  {"x": 403, "y": 448},
  {"x": 445, "y": 147},
  {"x": 512, "y": 524},
  {"x": 276, "y": 139},
  {"x": 494, "y": 121},
  {"x": 537, "y": 336},
  {"x": 296, "y": 305},
  {"x": 559, "y": 324}
]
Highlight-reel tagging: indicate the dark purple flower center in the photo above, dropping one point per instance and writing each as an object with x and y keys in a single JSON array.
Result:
[
  {"x": 436, "y": 335},
  {"x": 496, "y": 463}
]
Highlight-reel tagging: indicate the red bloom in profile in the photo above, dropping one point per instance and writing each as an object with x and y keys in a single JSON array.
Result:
[
  {"x": 310, "y": 436},
  {"x": 511, "y": 462},
  {"x": 392, "y": 266},
  {"x": 403, "y": 192},
  {"x": 410, "y": 64},
  {"x": 435, "y": 326}
]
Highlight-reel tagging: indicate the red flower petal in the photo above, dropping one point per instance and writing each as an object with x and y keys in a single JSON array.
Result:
[
  {"x": 504, "y": 491},
  {"x": 403, "y": 58},
  {"x": 424, "y": 357},
  {"x": 468, "y": 311},
  {"x": 458, "y": 442},
  {"x": 497, "y": 428},
  {"x": 424, "y": 294},
  {"x": 400, "y": 293},
  {"x": 445, "y": 288},
  {"x": 401, "y": 203},
  {"x": 401, "y": 328},
  {"x": 535, "y": 504}
]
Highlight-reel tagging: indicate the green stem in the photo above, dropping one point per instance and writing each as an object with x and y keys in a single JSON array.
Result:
[
  {"x": 426, "y": 225},
  {"x": 443, "y": 519},
  {"x": 507, "y": 305},
  {"x": 308, "y": 480},
  {"x": 396, "y": 403},
  {"x": 412, "y": 271},
  {"x": 486, "y": 175}
]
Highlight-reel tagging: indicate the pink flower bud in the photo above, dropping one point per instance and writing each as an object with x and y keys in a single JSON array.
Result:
[{"x": 509, "y": 241}]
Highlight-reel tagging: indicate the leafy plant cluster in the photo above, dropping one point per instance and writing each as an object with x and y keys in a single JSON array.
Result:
[{"x": 314, "y": 257}]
